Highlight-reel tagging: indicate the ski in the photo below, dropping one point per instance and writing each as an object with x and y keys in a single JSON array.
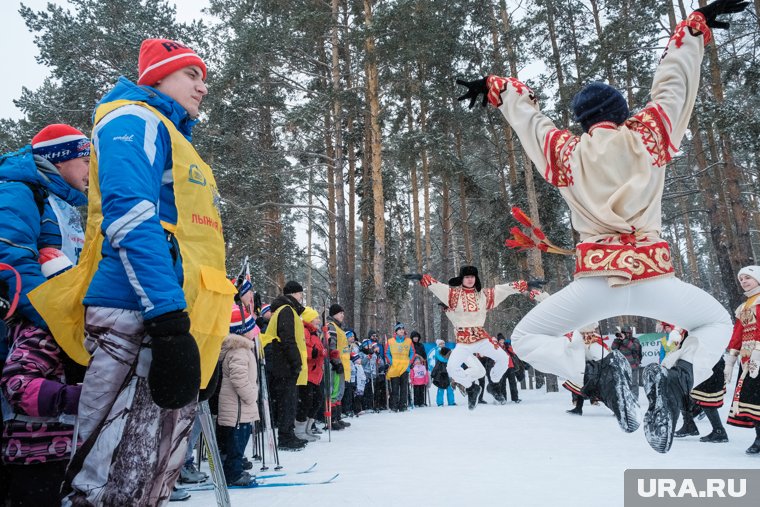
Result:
[
  {"x": 262, "y": 482},
  {"x": 283, "y": 474},
  {"x": 265, "y": 484}
]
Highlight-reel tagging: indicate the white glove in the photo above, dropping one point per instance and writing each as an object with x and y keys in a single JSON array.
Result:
[
  {"x": 754, "y": 363},
  {"x": 674, "y": 337},
  {"x": 729, "y": 369}
]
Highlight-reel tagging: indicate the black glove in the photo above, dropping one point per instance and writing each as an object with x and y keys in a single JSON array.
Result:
[
  {"x": 175, "y": 371},
  {"x": 715, "y": 9},
  {"x": 474, "y": 88},
  {"x": 213, "y": 383},
  {"x": 413, "y": 277},
  {"x": 536, "y": 284},
  {"x": 314, "y": 353}
]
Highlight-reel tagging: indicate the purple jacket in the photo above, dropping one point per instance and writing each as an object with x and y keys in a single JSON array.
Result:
[{"x": 36, "y": 399}]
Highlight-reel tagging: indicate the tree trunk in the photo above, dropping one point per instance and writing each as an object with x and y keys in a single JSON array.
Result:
[
  {"x": 350, "y": 303},
  {"x": 427, "y": 296},
  {"x": 373, "y": 93},
  {"x": 332, "y": 267},
  {"x": 463, "y": 213},
  {"x": 419, "y": 291},
  {"x": 445, "y": 254},
  {"x": 344, "y": 275},
  {"x": 742, "y": 251}
]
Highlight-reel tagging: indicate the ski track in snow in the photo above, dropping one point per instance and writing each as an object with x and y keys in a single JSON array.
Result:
[{"x": 531, "y": 454}]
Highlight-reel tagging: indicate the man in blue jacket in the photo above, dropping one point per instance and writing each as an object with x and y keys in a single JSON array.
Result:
[{"x": 156, "y": 297}]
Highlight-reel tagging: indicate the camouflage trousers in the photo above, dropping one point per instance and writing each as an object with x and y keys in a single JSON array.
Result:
[{"x": 132, "y": 450}]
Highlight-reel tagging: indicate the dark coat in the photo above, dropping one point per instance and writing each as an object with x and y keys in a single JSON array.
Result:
[{"x": 282, "y": 356}]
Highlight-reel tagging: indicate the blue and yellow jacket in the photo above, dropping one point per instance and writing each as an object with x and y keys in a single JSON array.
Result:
[
  {"x": 399, "y": 353},
  {"x": 23, "y": 230},
  {"x": 141, "y": 268}
]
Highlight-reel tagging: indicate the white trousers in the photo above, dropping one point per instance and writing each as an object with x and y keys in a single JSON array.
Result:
[
  {"x": 463, "y": 353},
  {"x": 539, "y": 337}
]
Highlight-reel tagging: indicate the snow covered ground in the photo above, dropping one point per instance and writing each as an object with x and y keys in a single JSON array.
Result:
[{"x": 527, "y": 454}]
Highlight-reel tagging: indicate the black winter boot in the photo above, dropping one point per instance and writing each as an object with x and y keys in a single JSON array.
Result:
[
  {"x": 472, "y": 395},
  {"x": 755, "y": 447},
  {"x": 688, "y": 429},
  {"x": 494, "y": 390},
  {"x": 718, "y": 433},
  {"x": 342, "y": 421},
  {"x": 659, "y": 420},
  {"x": 578, "y": 410},
  {"x": 289, "y": 442},
  {"x": 614, "y": 387}
]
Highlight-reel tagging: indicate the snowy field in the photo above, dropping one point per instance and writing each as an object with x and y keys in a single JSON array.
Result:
[{"x": 527, "y": 454}]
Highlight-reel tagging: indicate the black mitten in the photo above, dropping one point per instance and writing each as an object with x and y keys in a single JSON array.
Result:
[
  {"x": 474, "y": 88},
  {"x": 413, "y": 277},
  {"x": 715, "y": 9},
  {"x": 210, "y": 389},
  {"x": 174, "y": 377}
]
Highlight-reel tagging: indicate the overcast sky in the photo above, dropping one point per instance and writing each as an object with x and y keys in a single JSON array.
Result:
[{"x": 18, "y": 52}]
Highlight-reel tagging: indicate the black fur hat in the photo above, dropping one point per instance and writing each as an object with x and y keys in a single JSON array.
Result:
[{"x": 466, "y": 271}]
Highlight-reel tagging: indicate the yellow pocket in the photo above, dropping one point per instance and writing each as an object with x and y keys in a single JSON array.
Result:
[
  {"x": 211, "y": 309},
  {"x": 210, "y": 317}
]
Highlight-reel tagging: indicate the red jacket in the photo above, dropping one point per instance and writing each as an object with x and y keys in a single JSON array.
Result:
[{"x": 316, "y": 364}]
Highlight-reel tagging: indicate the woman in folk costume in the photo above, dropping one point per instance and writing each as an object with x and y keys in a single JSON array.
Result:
[
  {"x": 467, "y": 306},
  {"x": 745, "y": 347},
  {"x": 612, "y": 178}
]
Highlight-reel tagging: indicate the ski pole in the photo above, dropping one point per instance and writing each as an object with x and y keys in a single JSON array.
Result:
[{"x": 214, "y": 458}]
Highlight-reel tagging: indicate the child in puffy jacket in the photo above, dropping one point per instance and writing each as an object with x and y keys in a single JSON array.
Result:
[
  {"x": 359, "y": 381},
  {"x": 419, "y": 378},
  {"x": 237, "y": 398},
  {"x": 440, "y": 375}
]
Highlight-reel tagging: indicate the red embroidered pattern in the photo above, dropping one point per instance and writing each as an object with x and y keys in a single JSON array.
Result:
[
  {"x": 490, "y": 293},
  {"x": 468, "y": 335},
  {"x": 496, "y": 85},
  {"x": 453, "y": 299},
  {"x": 469, "y": 300},
  {"x": 697, "y": 24},
  {"x": 653, "y": 125},
  {"x": 628, "y": 261},
  {"x": 558, "y": 147}
]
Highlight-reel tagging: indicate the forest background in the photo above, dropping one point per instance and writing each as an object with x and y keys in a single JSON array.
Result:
[{"x": 344, "y": 159}]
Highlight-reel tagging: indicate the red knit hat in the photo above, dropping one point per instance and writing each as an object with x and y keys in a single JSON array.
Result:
[
  {"x": 161, "y": 57},
  {"x": 60, "y": 142}
]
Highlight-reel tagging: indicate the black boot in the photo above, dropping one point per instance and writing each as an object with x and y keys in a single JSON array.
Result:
[
  {"x": 614, "y": 387},
  {"x": 755, "y": 447},
  {"x": 578, "y": 410},
  {"x": 659, "y": 420},
  {"x": 472, "y": 395},
  {"x": 289, "y": 442},
  {"x": 688, "y": 429},
  {"x": 343, "y": 422},
  {"x": 495, "y": 391},
  {"x": 718, "y": 433}
]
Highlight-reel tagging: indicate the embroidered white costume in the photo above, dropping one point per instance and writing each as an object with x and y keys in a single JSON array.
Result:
[
  {"x": 467, "y": 310},
  {"x": 612, "y": 179}
]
